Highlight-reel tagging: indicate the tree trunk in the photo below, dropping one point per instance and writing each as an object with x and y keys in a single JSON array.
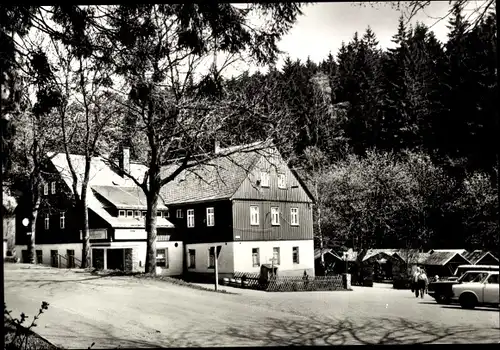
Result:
[
  {"x": 152, "y": 202},
  {"x": 31, "y": 242},
  {"x": 85, "y": 230}
]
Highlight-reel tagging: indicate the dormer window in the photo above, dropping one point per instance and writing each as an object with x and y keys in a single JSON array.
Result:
[
  {"x": 121, "y": 213},
  {"x": 179, "y": 214},
  {"x": 264, "y": 179},
  {"x": 167, "y": 214},
  {"x": 45, "y": 189},
  {"x": 138, "y": 214},
  {"x": 144, "y": 213},
  {"x": 282, "y": 181},
  {"x": 53, "y": 187},
  {"x": 159, "y": 214},
  {"x": 130, "y": 213}
]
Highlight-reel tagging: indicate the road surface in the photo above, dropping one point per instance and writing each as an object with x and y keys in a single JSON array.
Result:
[{"x": 132, "y": 312}]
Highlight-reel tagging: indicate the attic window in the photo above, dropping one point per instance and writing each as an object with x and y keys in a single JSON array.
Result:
[
  {"x": 281, "y": 181},
  {"x": 137, "y": 213},
  {"x": 159, "y": 214},
  {"x": 264, "y": 179},
  {"x": 167, "y": 214},
  {"x": 130, "y": 213},
  {"x": 121, "y": 213}
]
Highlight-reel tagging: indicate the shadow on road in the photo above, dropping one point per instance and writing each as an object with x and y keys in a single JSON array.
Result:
[
  {"x": 377, "y": 331},
  {"x": 456, "y": 307}
]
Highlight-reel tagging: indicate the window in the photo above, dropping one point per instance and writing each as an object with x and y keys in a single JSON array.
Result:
[
  {"x": 192, "y": 258},
  {"x": 121, "y": 213},
  {"x": 281, "y": 180},
  {"x": 190, "y": 218},
  {"x": 493, "y": 279},
  {"x": 254, "y": 215},
  {"x": 46, "y": 189},
  {"x": 179, "y": 214},
  {"x": 137, "y": 213},
  {"x": 47, "y": 218},
  {"x": 210, "y": 216},
  {"x": 211, "y": 257},
  {"x": 264, "y": 179},
  {"x": 276, "y": 255},
  {"x": 130, "y": 213},
  {"x": 70, "y": 253},
  {"x": 144, "y": 213},
  {"x": 275, "y": 216},
  {"x": 162, "y": 257},
  {"x": 294, "y": 216},
  {"x": 295, "y": 255},
  {"x": 53, "y": 187},
  {"x": 167, "y": 214},
  {"x": 62, "y": 220},
  {"x": 159, "y": 214},
  {"x": 39, "y": 257},
  {"x": 255, "y": 257}
]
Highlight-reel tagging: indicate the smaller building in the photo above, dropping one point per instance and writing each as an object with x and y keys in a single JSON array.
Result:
[
  {"x": 441, "y": 263},
  {"x": 334, "y": 264}
]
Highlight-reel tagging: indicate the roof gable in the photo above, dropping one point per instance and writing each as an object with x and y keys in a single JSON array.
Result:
[{"x": 273, "y": 163}]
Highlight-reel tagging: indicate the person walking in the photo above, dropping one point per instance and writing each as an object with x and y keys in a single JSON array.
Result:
[
  {"x": 423, "y": 281},
  {"x": 414, "y": 282}
]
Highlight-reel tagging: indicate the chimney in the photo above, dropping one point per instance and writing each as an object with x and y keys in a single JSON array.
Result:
[
  {"x": 217, "y": 146},
  {"x": 125, "y": 160}
]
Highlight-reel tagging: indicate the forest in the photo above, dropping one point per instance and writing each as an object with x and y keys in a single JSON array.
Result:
[{"x": 397, "y": 145}]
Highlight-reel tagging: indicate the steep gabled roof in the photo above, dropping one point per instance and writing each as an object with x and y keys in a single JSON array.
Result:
[
  {"x": 478, "y": 255},
  {"x": 218, "y": 179},
  {"x": 440, "y": 258},
  {"x": 317, "y": 253},
  {"x": 125, "y": 197},
  {"x": 106, "y": 182}
]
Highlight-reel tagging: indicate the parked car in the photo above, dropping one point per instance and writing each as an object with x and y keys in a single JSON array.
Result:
[
  {"x": 441, "y": 290},
  {"x": 464, "y": 268},
  {"x": 472, "y": 294}
]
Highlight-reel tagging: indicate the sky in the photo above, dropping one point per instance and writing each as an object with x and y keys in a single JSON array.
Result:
[{"x": 323, "y": 26}]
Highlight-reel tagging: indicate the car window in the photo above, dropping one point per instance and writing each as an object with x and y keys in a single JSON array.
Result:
[
  {"x": 468, "y": 276},
  {"x": 479, "y": 278},
  {"x": 493, "y": 279}
]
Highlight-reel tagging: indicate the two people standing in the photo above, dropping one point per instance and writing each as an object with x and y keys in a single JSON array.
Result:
[{"x": 419, "y": 282}]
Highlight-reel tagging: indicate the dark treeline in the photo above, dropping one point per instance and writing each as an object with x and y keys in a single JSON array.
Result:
[{"x": 368, "y": 114}]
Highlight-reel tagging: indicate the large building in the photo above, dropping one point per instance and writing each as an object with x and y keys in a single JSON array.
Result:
[
  {"x": 251, "y": 204},
  {"x": 116, "y": 209},
  {"x": 246, "y": 200}
]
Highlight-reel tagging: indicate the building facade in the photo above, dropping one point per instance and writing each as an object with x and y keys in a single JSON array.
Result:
[{"x": 252, "y": 205}]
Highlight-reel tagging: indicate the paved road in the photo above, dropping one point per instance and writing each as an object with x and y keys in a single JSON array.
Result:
[{"x": 131, "y": 312}]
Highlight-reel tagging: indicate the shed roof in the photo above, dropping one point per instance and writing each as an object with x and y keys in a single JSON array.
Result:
[
  {"x": 478, "y": 255},
  {"x": 125, "y": 197}
]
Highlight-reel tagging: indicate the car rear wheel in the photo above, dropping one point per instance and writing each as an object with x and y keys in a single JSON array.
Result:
[{"x": 468, "y": 301}]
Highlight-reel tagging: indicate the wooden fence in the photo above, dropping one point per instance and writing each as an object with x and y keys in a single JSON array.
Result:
[{"x": 287, "y": 283}]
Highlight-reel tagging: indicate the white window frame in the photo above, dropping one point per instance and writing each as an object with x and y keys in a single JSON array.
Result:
[
  {"x": 210, "y": 217},
  {"x": 165, "y": 257},
  {"x": 298, "y": 254},
  {"x": 190, "y": 218},
  {"x": 264, "y": 179},
  {"x": 53, "y": 187},
  {"x": 144, "y": 213},
  {"x": 45, "y": 189},
  {"x": 282, "y": 180},
  {"x": 128, "y": 213},
  {"x": 277, "y": 262},
  {"x": 137, "y": 214},
  {"x": 275, "y": 216},
  {"x": 62, "y": 220},
  {"x": 167, "y": 214},
  {"x": 254, "y": 215},
  {"x": 256, "y": 263},
  {"x": 159, "y": 214},
  {"x": 47, "y": 221},
  {"x": 294, "y": 216},
  {"x": 179, "y": 214},
  {"x": 122, "y": 213}
]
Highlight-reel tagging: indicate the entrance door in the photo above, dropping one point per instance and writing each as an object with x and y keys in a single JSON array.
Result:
[
  {"x": 98, "y": 259},
  {"x": 116, "y": 259},
  {"x": 71, "y": 258},
  {"x": 54, "y": 258}
]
